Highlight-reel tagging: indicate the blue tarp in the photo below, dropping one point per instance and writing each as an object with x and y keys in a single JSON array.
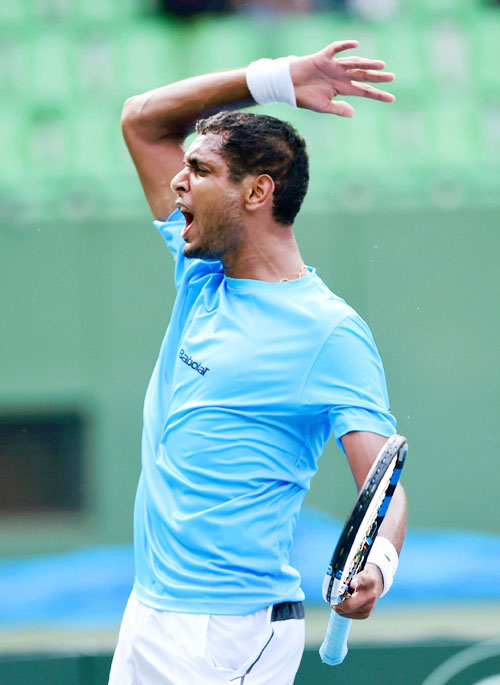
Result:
[
  {"x": 90, "y": 586},
  {"x": 435, "y": 565}
]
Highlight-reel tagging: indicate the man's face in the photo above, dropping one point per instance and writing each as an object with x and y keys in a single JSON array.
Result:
[{"x": 210, "y": 202}]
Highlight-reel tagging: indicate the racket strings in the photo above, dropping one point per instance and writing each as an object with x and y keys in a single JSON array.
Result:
[
  {"x": 355, "y": 551},
  {"x": 366, "y": 517}
]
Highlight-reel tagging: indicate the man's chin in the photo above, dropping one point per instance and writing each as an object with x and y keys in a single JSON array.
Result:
[
  {"x": 193, "y": 251},
  {"x": 189, "y": 249}
]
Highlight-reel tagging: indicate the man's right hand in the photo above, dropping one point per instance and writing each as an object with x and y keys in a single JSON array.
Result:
[{"x": 319, "y": 78}]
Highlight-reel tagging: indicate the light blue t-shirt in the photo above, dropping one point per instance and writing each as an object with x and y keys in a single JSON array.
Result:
[{"x": 251, "y": 379}]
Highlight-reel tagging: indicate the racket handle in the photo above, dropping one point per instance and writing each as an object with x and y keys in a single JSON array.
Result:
[{"x": 334, "y": 647}]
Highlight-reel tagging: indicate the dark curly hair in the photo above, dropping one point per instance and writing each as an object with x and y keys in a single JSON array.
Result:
[{"x": 260, "y": 144}]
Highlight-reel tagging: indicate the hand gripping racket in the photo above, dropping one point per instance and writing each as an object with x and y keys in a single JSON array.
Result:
[{"x": 356, "y": 541}]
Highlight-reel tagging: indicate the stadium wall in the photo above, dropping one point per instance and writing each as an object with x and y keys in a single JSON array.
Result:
[{"x": 85, "y": 306}]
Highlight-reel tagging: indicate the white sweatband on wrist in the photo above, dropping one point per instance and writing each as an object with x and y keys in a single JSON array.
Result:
[
  {"x": 269, "y": 81},
  {"x": 383, "y": 554}
]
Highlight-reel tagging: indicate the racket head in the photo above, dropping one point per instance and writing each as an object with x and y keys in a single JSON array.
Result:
[{"x": 362, "y": 525}]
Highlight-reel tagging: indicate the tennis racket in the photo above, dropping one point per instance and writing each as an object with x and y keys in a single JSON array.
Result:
[{"x": 356, "y": 541}]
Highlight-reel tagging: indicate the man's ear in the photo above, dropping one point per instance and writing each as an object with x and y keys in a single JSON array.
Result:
[{"x": 258, "y": 192}]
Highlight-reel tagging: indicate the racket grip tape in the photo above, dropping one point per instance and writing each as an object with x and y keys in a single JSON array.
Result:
[{"x": 334, "y": 647}]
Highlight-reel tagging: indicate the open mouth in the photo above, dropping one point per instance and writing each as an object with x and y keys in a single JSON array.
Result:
[{"x": 189, "y": 221}]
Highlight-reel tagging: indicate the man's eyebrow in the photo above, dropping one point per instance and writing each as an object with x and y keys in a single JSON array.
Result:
[{"x": 195, "y": 161}]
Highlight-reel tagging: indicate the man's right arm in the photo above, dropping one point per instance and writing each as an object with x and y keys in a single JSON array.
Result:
[{"x": 155, "y": 124}]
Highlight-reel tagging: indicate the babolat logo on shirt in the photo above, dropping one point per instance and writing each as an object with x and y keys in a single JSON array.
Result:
[{"x": 194, "y": 365}]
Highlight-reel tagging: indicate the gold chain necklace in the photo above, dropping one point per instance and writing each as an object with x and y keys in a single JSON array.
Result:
[{"x": 301, "y": 273}]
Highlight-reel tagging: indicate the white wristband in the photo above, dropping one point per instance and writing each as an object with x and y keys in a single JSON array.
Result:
[
  {"x": 269, "y": 81},
  {"x": 383, "y": 554}
]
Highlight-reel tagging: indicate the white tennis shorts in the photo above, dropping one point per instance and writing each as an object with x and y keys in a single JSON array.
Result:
[{"x": 170, "y": 648}]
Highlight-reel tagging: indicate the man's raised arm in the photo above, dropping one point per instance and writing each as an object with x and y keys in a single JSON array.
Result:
[{"x": 156, "y": 123}]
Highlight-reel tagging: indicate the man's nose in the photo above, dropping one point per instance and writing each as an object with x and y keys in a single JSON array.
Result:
[{"x": 180, "y": 182}]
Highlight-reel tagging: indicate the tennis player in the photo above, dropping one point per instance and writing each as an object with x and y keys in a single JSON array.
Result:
[{"x": 260, "y": 363}]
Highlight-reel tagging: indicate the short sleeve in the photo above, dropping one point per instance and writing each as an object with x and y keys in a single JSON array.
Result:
[{"x": 347, "y": 381}]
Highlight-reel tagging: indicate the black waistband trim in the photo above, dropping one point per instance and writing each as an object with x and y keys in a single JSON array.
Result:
[{"x": 287, "y": 610}]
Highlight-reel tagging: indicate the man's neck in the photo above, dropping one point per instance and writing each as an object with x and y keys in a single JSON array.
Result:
[{"x": 271, "y": 255}]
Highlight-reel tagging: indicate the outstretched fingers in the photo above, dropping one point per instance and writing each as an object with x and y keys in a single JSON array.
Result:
[
  {"x": 339, "y": 107},
  {"x": 356, "y": 72},
  {"x": 355, "y": 62},
  {"x": 362, "y": 69},
  {"x": 321, "y": 77},
  {"x": 338, "y": 46},
  {"x": 366, "y": 91},
  {"x": 371, "y": 76}
]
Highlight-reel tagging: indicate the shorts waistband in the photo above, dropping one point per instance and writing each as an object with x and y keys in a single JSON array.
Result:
[{"x": 286, "y": 610}]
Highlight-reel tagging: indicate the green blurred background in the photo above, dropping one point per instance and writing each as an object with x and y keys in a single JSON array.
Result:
[{"x": 401, "y": 220}]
